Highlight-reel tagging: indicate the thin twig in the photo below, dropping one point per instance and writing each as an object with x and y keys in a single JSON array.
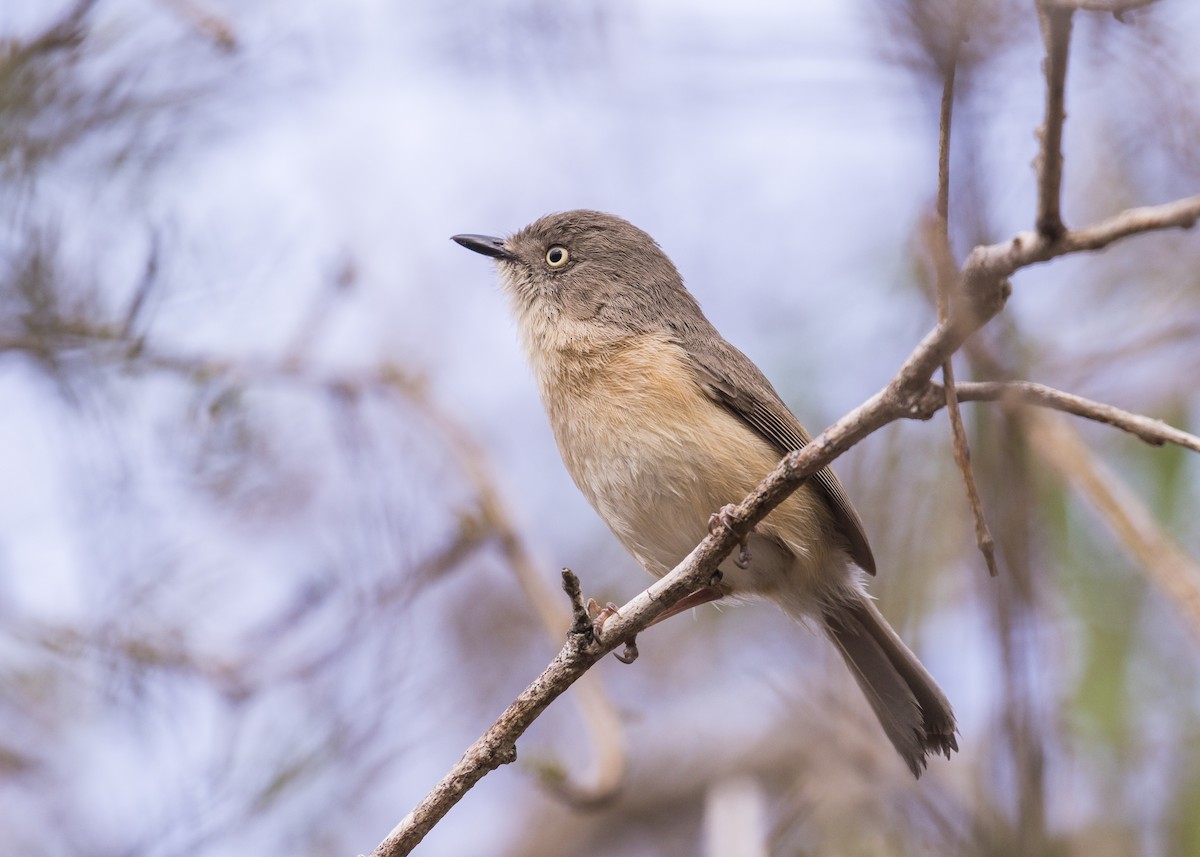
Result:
[
  {"x": 947, "y": 275},
  {"x": 946, "y": 270},
  {"x": 1150, "y": 546},
  {"x": 1056, "y": 32},
  {"x": 962, "y": 457},
  {"x": 1152, "y": 431}
]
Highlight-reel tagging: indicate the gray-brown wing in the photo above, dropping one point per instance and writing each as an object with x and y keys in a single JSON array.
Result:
[{"x": 731, "y": 379}]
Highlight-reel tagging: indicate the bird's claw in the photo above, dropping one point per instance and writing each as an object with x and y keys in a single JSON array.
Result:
[
  {"x": 722, "y": 518},
  {"x": 630, "y": 653},
  {"x": 600, "y": 616}
]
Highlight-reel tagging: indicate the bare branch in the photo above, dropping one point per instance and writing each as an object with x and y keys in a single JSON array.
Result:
[
  {"x": 1056, "y": 32},
  {"x": 1152, "y": 431},
  {"x": 1149, "y": 545}
]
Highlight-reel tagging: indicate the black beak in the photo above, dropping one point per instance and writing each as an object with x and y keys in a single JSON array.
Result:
[{"x": 485, "y": 244}]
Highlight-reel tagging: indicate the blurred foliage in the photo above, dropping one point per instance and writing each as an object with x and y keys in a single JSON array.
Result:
[{"x": 254, "y": 599}]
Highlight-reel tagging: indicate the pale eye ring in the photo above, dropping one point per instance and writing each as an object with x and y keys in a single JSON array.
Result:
[{"x": 557, "y": 256}]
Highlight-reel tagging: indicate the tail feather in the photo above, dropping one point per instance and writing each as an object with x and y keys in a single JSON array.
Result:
[{"x": 914, "y": 713}]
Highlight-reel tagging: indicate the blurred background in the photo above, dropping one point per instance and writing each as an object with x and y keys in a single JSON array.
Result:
[{"x": 281, "y": 518}]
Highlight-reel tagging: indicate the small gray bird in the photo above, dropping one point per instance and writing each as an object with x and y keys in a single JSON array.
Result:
[{"x": 662, "y": 423}]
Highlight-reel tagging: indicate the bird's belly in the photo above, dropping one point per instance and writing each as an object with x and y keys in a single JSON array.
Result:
[
  {"x": 657, "y": 507},
  {"x": 656, "y": 457},
  {"x": 660, "y": 506},
  {"x": 657, "y": 479}
]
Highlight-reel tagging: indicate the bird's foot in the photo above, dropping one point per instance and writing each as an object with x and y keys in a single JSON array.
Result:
[
  {"x": 722, "y": 518},
  {"x": 600, "y": 615}
]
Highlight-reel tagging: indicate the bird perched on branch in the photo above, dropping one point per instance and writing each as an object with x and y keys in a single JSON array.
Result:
[{"x": 662, "y": 424}]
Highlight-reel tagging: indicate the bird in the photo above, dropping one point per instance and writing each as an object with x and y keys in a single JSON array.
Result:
[{"x": 662, "y": 424}]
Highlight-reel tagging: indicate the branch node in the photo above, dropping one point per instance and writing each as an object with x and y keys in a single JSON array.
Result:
[
  {"x": 983, "y": 296},
  {"x": 923, "y": 402},
  {"x": 581, "y": 622},
  {"x": 987, "y": 547},
  {"x": 1051, "y": 228},
  {"x": 492, "y": 756}
]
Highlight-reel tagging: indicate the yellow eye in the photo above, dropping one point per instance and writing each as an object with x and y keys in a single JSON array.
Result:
[{"x": 557, "y": 256}]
